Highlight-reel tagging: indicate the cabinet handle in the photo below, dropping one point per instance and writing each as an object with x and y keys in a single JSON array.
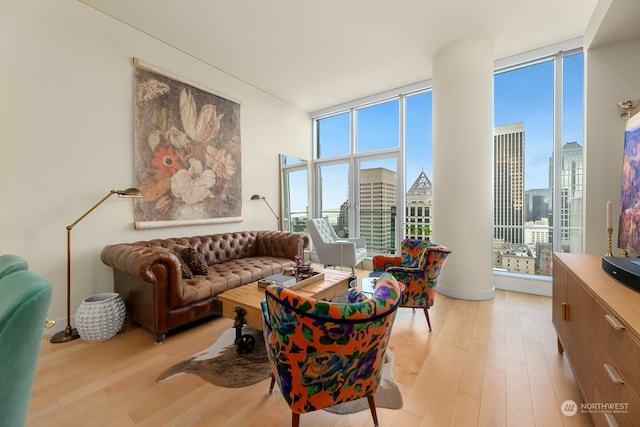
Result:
[
  {"x": 613, "y": 374},
  {"x": 610, "y": 419},
  {"x": 614, "y": 322},
  {"x": 565, "y": 311}
]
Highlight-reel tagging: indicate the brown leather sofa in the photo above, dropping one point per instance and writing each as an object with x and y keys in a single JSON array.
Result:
[{"x": 149, "y": 278}]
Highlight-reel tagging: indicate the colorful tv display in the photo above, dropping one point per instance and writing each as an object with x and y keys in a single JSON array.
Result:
[{"x": 629, "y": 225}]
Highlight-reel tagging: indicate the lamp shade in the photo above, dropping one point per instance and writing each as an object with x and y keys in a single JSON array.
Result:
[{"x": 129, "y": 192}]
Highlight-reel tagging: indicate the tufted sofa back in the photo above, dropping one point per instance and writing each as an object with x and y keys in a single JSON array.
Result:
[{"x": 236, "y": 245}]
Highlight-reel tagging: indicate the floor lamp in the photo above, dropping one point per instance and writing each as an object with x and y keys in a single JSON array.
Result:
[{"x": 69, "y": 333}]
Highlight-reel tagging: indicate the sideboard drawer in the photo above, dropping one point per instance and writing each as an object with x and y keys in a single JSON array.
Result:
[
  {"x": 612, "y": 395},
  {"x": 622, "y": 348}
]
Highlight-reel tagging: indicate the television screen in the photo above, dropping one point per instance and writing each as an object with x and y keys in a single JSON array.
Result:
[{"x": 629, "y": 225}]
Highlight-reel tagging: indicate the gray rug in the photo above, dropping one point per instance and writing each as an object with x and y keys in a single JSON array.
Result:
[{"x": 387, "y": 396}]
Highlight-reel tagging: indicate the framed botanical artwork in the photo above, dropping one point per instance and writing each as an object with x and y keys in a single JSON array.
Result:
[
  {"x": 629, "y": 222},
  {"x": 187, "y": 152}
]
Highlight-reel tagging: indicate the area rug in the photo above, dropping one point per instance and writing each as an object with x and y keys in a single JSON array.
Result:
[
  {"x": 387, "y": 396},
  {"x": 219, "y": 364}
]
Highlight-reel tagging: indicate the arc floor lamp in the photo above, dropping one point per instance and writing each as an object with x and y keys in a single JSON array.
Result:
[
  {"x": 70, "y": 333},
  {"x": 258, "y": 197}
]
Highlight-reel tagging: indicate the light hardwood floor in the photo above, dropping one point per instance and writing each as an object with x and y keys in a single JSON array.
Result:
[{"x": 486, "y": 363}]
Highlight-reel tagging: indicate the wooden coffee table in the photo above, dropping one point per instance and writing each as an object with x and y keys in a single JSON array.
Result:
[{"x": 243, "y": 303}]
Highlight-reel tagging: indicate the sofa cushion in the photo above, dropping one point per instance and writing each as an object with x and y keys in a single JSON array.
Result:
[{"x": 193, "y": 258}]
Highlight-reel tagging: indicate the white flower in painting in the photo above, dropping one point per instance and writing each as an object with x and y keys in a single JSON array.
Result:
[
  {"x": 200, "y": 127},
  {"x": 221, "y": 162},
  {"x": 193, "y": 185}
]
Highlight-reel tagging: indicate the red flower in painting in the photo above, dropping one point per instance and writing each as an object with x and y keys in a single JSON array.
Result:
[{"x": 166, "y": 160}]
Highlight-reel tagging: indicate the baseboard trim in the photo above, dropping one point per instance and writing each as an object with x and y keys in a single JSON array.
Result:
[{"x": 467, "y": 294}]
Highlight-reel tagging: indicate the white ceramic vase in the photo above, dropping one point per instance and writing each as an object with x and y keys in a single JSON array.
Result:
[{"x": 100, "y": 317}]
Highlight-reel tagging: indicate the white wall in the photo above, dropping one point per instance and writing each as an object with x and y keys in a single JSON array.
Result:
[
  {"x": 611, "y": 76},
  {"x": 66, "y": 122}
]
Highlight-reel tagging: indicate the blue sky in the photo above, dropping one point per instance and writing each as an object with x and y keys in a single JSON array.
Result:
[
  {"x": 526, "y": 95},
  {"x": 522, "y": 95}
]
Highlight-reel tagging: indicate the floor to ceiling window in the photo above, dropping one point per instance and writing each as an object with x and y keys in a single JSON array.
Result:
[
  {"x": 538, "y": 152},
  {"x": 373, "y": 171},
  {"x": 362, "y": 180}
]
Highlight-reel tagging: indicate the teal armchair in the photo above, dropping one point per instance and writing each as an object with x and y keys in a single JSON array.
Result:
[
  {"x": 24, "y": 301},
  {"x": 11, "y": 263}
]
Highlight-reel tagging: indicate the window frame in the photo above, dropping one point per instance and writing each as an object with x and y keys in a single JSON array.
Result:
[{"x": 557, "y": 50}]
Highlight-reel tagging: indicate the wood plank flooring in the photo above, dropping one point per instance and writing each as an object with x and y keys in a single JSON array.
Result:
[{"x": 486, "y": 363}]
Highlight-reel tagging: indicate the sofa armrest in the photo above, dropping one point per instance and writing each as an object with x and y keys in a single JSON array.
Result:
[
  {"x": 281, "y": 244},
  {"x": 360, "y": 243},
  {"x": 142, "y": 261}
]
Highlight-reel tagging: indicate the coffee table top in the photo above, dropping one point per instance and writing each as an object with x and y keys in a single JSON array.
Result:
[{"x": 250, "y": 296}]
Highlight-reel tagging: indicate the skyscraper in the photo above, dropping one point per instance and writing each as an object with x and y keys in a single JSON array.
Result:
[
  {"x": 508, "y": 184},
  {"x": 571, "y": 197},
  {"x": 418, "y": 210},
  {"x": 377, "y": 209}
]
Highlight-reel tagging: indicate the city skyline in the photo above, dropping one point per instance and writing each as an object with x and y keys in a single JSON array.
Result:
[{"x": 522, "y": 95}]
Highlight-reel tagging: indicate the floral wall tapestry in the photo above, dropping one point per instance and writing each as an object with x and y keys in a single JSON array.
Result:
[{"x": 187, "y": 153}]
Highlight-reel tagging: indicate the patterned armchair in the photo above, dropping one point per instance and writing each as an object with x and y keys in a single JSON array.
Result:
[
  {"x": 325, "y": 353},
  {"x": 418, "y": 267}
]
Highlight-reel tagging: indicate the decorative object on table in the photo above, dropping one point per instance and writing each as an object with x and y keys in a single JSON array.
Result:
[
  {"x": 333, "y": 353},
  {"x": 609, "y": 229},
  {"x": 315, "y": 276},
  {"x": 69, "y": 333},
  {"x": 627, "y": 107},
  {"x": 303, "y": 270},
  {"x": 187, "y": 152},
  {"x": 277, "y": 279},
  {"x": 418, "y": 267},
  {"x": 100, "y": 317},
  {"x": 296, "y": 283}
]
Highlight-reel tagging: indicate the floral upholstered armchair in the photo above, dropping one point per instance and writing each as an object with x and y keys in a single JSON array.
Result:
[
  {"x": 418, "y": 268},
  {"x": 325, "y": 353}
]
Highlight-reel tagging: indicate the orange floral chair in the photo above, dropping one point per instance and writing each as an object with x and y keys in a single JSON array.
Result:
[
  {"x": 325, "y": 353},
  {"x": 418, "y": 267}
]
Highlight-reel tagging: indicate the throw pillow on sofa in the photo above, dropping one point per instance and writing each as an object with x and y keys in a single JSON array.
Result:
[
  {"x": 193, "y": 258},
  {"x": 186, "y": 272}
]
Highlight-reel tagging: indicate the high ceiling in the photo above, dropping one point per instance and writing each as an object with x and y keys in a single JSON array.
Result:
[{"x": 318, "y": 54}]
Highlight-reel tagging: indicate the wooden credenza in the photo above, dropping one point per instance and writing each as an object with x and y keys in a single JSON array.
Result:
[{"x": 597, "y": 321}]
